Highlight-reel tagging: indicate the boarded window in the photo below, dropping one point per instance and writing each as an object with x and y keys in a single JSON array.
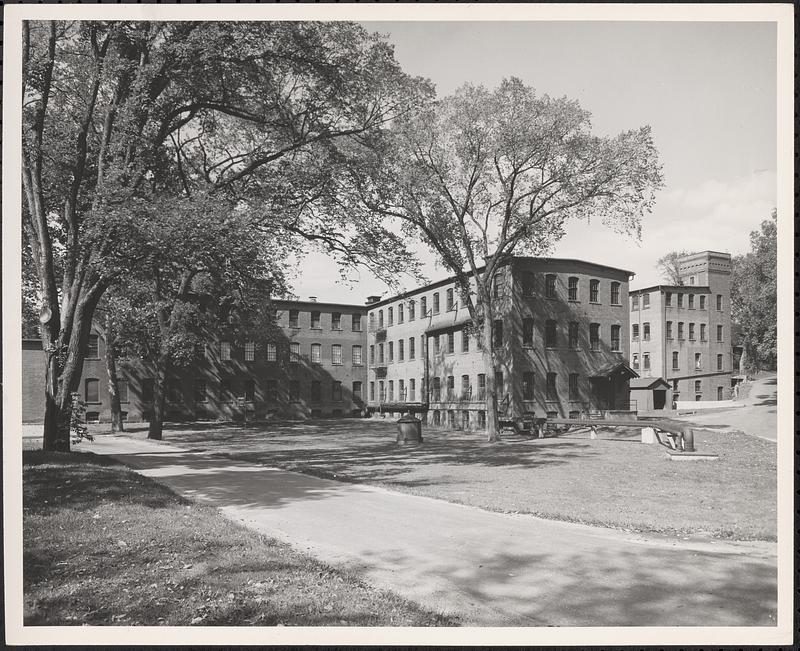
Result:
[{"x": 92, "y": 390}]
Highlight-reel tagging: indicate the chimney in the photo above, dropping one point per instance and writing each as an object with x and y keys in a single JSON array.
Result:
[
  {"x": 313, "y": 299},
  {"x": 372, "y": 299}
]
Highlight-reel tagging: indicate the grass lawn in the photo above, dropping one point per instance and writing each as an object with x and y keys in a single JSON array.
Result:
[
  {"x": 613, "y": 481},
  {"x": 103, "y": 545}
]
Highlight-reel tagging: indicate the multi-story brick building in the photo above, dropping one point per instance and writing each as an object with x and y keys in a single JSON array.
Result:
[
  {"x": 682, "y": 332},
  {"x": 560, "y": 336}
]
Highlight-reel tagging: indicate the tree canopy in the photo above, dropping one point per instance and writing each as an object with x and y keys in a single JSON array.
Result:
[{"x": 668, "y": 265}]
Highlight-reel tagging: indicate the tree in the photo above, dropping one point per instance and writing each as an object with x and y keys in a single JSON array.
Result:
[
  {"x": 116, "y": 114},
  {"x": 754, "y": 295},
  {"x": 669, "y": 267},
  {"x": 483, "y": 175}
]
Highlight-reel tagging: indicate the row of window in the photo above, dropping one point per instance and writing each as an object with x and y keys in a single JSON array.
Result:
[
  {"x": 668, "y": 331},
  {"x": 437, "y": 418},
  {"x": 645, "y": 302},
  {"x": 444, "y": 389},
  {"x": 676, "y": 365},
  {"x": 573, "y": 289},
  {"x": 316, "y": 320},
  {"x": 271, "y": 353}
]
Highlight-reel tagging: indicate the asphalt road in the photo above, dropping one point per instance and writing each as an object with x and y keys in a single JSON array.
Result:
[{"x": 487, "y": 568}]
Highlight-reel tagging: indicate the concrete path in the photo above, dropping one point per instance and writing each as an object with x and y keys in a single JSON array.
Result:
[{"x": 488, "y": 568}]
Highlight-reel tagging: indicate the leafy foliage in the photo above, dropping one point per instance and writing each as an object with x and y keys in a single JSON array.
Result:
[{"x": 668, "y": 266}]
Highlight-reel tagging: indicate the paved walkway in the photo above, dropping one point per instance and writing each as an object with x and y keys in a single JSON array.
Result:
[{"x": 487, "y": 568}]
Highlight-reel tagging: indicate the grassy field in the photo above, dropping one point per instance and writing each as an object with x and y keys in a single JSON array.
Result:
[
  {"x": 103, "y": 545},
  {"x": 613, "y": 481}
]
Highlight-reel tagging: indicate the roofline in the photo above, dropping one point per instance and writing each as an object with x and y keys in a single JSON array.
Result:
[
  {"x": 690, "y": 255},
  {"x": 652, "y": 287},
  {"x": 450, "y": 279},
  {"x": 349, "y": 306}
]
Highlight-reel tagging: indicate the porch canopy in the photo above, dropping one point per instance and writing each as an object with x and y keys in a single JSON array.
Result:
[
  {"x": 649, "y": 383},
  {"x": 615, "y": 370}
]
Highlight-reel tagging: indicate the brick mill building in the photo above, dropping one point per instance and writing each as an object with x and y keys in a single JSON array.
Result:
[{"x": 570, "y": 338}]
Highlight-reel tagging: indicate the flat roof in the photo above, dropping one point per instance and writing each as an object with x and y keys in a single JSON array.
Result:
[
  {"x": 651, "y": 288},
  {"x": 347, "y": 306},
  {"x": 450, "y": 279}
]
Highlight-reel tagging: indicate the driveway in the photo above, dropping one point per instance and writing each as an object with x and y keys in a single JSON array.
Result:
[{"x": 487, "y": 568}]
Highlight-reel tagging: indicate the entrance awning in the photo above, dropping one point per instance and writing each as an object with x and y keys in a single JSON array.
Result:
[
  {"x": 614, "y": 369},
  {"x": 649, "y": 383}
]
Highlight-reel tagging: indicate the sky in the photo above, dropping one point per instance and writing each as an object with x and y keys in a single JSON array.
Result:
[{"x": 707, "y": 89}]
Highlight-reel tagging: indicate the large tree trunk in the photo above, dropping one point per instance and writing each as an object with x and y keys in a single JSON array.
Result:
[
  {"x": 156, "y": 428},
  {"x": 492, "y": 418},
  {"x": 113, "y": 381}
]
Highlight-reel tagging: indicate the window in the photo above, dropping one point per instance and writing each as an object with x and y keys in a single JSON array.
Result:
[
  {"x": 391, "y": 315},
  {"x": 249, "y": 351},
  {"x": 691, "y": 280},
  {"x": 380, "y": 354},
  {"x": 391, "y": 351},
  {"x": 271, "y": 390},
  {"x": 294, "y": 390},
  {"x": 499, "y": 387},
  {"x": 669, "y": 330},
  {"x": 451, "y": 387},
  {"x": 356, "y": 323},
  {"x": 449, "y": 298},
  {"x": 122, "y": 390},
  {"x": 400, "y": 314},
  {"x": 615, "y": 338},
  {"x": 466, "y": 389},
  {"x": 481, "y": 386},
  {"x": 481, "y": 419},
  {"x": 615, "y": 294},
  {"x": 411, "y": 307},
  {"x": 698, "y": 386},
  {"x": 573, "y": 335},
  {"x": 572, "y": 288},
  {"x": 315, "y": 322},
  {"x": 528, "y": 284},
  {"x": 645, "y": 301},
  {"x": 336, "y": 391},
  {"x": 372, "y": 355},
  {"x": 527, "y": 333},
  {"x": 93, "y": 350},
  {"x": 381, "y": 391},
  {"x": 720, "y": 393},
  {"x": 372, "y": 392},
  {"x": 336, "y": 321},
  {"x": 594, "y": 336},
  {"x": 411, "y": 351},
  {"x": 702, "y": 332},
  {"x": 668, "y": 299},
  {"x": 551, "y": 390},
  {"x": 646, "y": 332},
  {"x": 316, "y": 391},
  {"x": 646, "y": 361},
  {"x": 680, "y": 300},
  {"x": 372, "y": 322},
  {"x": 91, "y": 390},
  {"x": 550, "y": 286},
  {"x": 272, "y": 352},
  {"x": 635, "y": 332},
  {"x": 401, "y": 349},
  {"x": 550, "y": 334},
  {"x": 390, "y": 392},
  {"x": 225, "y": 350},
  {"x": 719, "y": 362},
  {"x": 357, "y": 391},
  {"x": 336, "y": 354},
  {"x": 675, "y": 360},
  {"x": 634, "y": 302},
  {"x": 498, "y": 333},
  {"x": 436, "y": 389},
  {"x": 380, "y": 319},
  {"x": 698, "y": 361},
  {"x": 316, "y": 353},
  {"x": 401, "y": 390},
  {"x": 437, "y": 345},
  {"x": 691, "y": 301},
  {"x": 358, "y": 357},
  {"x": 719, "y": 333},
  {"x": 719, "y": 302},
  {"x": 574, "y": 393},
  {"x": 147, "y": 390},
  {"x": 198, "y": 390},
  {"x": 527, "y": 386},
  {"x": 674, "y": 385},
  {"x": 249, "y": 390},
  {"x": 594, "y": 291},
  {"x": 412, "y": 390},
  {"x": 691, "y": 332},
  {"x": 702, "y": 302},
  {"x": 464, "y": 419},
  {"x": 436, "y": 418},
  {"x": 423, "y": 306},
  {"x": 451, "y": 343},
  {"x": 436, "y": 302},
  {"x": 93, "y": 416},
  {"x": 635, "y": 362},
  {"x": 680, "y": 329},
  {"x": 465, "y": 341}
]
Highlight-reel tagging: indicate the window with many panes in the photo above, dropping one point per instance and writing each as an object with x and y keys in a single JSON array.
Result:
[
  {"x": 358, "y": 359},
  {"x": 550, "y": 334},
  {"x": 380, "y": 354},
  {"x": 719, "y": 333},
  {"x": 411, "y": 351},
  {"x": 668, "y": 330},
  {"x": 680, "y": 329},
  {"x": 423, "y": 306},
  {"x": 372, "y": 355},
  {"x": 551, "y": 389},
  {"x": 465, "y": 387},
  {"x": 451, "y": 387},
  {"x": 401, "y": 315},
  {"x": 249, "y": 351},
  {"x": 225, "y": 350},
  {"x": 615, "y": 293},
  {"x": 316, "y": 353},
  {"x": 594, "y": 336},
  {"x": 527, "y": 386},
  {"x": 691, "y": 332},
  {"x": 645, "y": 301},
  {"x": 451, "y": 343},
  {"x": 635, "y": 332},
  {"x": 315, "y": 321},
  {"x": 698, "y": 386},
  {"x": 702, "y": 302},
  {"x": 719, "y": 362},
  {"x": 391, "y": 351},
  {"x": 401, "y": 349},
  {"x": 481, "y": 386},
  {"x": 93, "y": 347},
  {"x": 391, "y": 315},
  {"x": 550, "y": 285},
  {"x": 465, "y": 341},
  {"x": 574, "y": 392},
  {"x": 594, "y": 291},
  {"x": 527, "y": 333},
  {"x": 381, "y": 391},
  {"x": 668, "y": 299},
  {"x": 634, "y": 302},
  {"x": 635, "y": 361},
  {"x": 719, "y": 302},
  {"x": 676, "y": 363},
  {"x": 356, "y": 323},
  {"x": 615, "y": 329},
  {"x": 380, "y": 319},
  {"x": 336, "y": 354},
  {"x": 449, "y": 299},
  {"x": 401, "y": 390},
  {"x": 680, "y": 300},
  {"x": 691, "y": 301},
  {"x": 702, "y": 332},
  {"x": 272, "y": 352},
  {"x": 336, "y": 321},
  {"x": 294, "y": 318},
  {"x": 411, "y": 308},
  {"x": 372, "y": 392},
  {"x": 572, "y": 288},
  {"x": 646, "y": 332},
  {"x": 436, "y": 302},
  {"x": 574, "y": 340},
  {"x": 390, "y": 392},
  {"x": 412, "y": 390},
  {"x": 646, "y": 361}
]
